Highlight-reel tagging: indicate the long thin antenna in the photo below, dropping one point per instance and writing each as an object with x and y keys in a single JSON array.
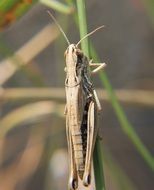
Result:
[
  {"x": 89, "y": 34},
  {"x": 60, "y": 28}
]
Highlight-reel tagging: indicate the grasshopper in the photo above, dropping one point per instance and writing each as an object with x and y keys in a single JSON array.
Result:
[{"x": 81, "y": 109}]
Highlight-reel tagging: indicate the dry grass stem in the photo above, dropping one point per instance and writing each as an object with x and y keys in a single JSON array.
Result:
[
  {"x": 133, "y": 97},
  {"x": 27, "y": 113},
  {"x": 27, "y": 52}
]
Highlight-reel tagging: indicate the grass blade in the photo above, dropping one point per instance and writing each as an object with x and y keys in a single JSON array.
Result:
[{"x": 98, "y": 162}]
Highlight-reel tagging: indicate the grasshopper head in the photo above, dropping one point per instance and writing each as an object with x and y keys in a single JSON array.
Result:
[
  {"x": 72, "y": 54},
  {"x": 74, "y": 64},
  {"x": 71, "y": 58},
  {"x": 70, "y": 50}
]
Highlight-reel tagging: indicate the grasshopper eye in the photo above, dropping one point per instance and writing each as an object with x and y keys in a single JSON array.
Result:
[
  {"x": 79, "y": 53},
  {"x": 79, "y": 56},
  {"x": 73, "y": 50}
]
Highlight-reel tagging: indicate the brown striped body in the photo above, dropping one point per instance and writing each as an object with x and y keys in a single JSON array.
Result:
[
  {"x": 80, "y": 116},
  {"x": 76, "y": 131}
]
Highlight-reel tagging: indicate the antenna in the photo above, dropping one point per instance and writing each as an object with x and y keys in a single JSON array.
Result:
[
  {"x": 89, "y": 34},
  {"x": 60, "y": 28}
]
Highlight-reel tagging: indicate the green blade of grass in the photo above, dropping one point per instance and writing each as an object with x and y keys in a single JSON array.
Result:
[
  {"x": 83, "y": 26},
  {"x": 98, "y": 166},
  {"x": 98, "y": 162}
]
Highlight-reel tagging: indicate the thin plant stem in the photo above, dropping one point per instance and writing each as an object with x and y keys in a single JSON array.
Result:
[
  {"x": 98, "y": 161},
  {"x": 83, "y": 26}
]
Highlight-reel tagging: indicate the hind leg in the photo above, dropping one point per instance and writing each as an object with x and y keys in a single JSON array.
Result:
[
  {"x": 73, "y": 179},
  {"x": 91, "y": 137}
]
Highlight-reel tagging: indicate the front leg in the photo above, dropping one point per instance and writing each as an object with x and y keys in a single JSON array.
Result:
[{"x": 98, "y": 65}]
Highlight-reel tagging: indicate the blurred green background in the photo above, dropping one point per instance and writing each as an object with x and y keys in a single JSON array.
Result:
[{"x": 33, "y": 147}]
